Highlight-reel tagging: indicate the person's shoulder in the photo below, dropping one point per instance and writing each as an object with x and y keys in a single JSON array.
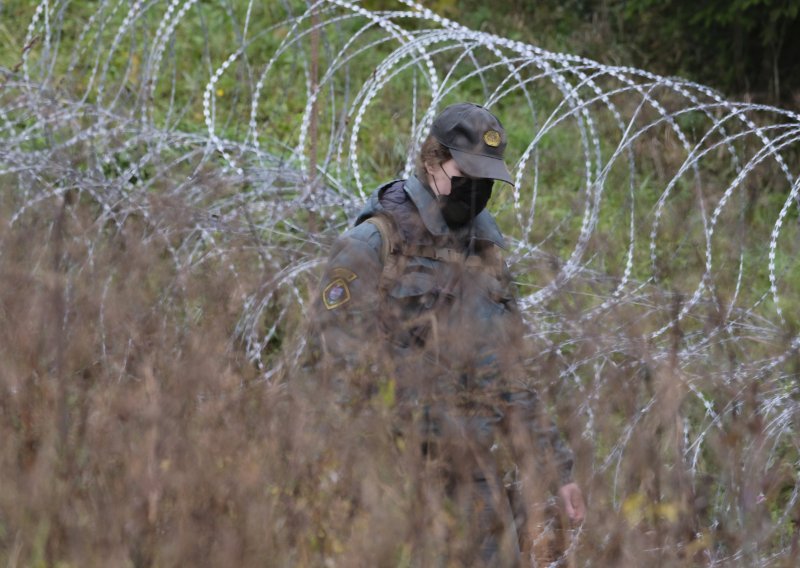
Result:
[
  {"x": 376, "y": 202},
  {"x": 364, "y": 232},
  {"x": 363, "y": 235},
  {"x": 393, "y": 194},
  {"x": 486, "y": 229}
]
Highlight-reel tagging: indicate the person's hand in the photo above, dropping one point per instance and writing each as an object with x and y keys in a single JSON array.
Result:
[{"x": 571, "y": 498}]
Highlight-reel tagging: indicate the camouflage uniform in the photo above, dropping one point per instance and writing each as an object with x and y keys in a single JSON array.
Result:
[{"x": 434, "y": 309}]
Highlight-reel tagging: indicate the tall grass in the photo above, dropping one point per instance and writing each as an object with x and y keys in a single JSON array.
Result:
[
  {"x": 136, "y": 433},
  {"x": 157, "y": 404}
]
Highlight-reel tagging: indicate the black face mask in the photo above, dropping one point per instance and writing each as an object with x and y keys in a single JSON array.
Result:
[{"x": 468, "y": 197}]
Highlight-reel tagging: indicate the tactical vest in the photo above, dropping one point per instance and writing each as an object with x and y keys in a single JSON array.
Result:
[
  {"x": 447, "y": 297},
  {"x": 395, "y": 253}
]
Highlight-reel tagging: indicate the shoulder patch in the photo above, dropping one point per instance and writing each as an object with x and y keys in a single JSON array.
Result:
[
  {"x": 344, "y": 273},
  {"x": 337, "y": 292}
]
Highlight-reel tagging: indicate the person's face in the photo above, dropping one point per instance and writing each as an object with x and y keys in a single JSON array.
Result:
[{"x": 439, "y": 176}]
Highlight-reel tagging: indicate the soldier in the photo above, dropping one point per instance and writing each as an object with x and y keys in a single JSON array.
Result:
[{"x": 418, "y": 291}]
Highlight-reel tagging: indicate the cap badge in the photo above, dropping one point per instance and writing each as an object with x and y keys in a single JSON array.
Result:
[{"x": 492, "y": 138}]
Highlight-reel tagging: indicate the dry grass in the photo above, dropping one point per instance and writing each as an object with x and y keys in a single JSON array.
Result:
[
  {"x": 136, "y": 433},
  {"x": 148, "y": 292}
]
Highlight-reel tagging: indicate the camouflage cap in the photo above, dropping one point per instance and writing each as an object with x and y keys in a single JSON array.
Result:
[{"x": 475, "y": 138}]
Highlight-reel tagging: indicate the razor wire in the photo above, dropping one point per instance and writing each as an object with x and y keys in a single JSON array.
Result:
[{"x": 631, "y": 220}]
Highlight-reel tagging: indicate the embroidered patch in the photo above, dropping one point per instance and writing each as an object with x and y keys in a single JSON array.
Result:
[
  {"x": 492, "y": 138},
  {"x": 337, "y": 292},
  {"x": 343, "y": 273}
]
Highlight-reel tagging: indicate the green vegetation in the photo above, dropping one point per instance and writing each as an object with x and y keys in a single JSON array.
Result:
[{"x": 747, "y": 48}]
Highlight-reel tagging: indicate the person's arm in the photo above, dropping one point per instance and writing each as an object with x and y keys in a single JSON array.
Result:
[
  {"x": 540, "y": 433},
  {"x": 538, "y": 445},
  {"x": 347, "y": 302}
]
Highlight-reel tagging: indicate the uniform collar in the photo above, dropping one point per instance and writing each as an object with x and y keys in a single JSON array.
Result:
[{"x": 423, "y": 198}]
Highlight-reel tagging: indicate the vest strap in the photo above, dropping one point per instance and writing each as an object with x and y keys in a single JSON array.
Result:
[
  {"x": 391, "y": 245},
  {"x": 388, "y": 234}
]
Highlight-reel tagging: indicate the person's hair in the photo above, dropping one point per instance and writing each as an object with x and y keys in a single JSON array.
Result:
[{"x": 432, "y": 152}]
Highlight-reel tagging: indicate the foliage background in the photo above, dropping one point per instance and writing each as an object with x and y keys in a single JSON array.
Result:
[{"x": 749, "y": 49}]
